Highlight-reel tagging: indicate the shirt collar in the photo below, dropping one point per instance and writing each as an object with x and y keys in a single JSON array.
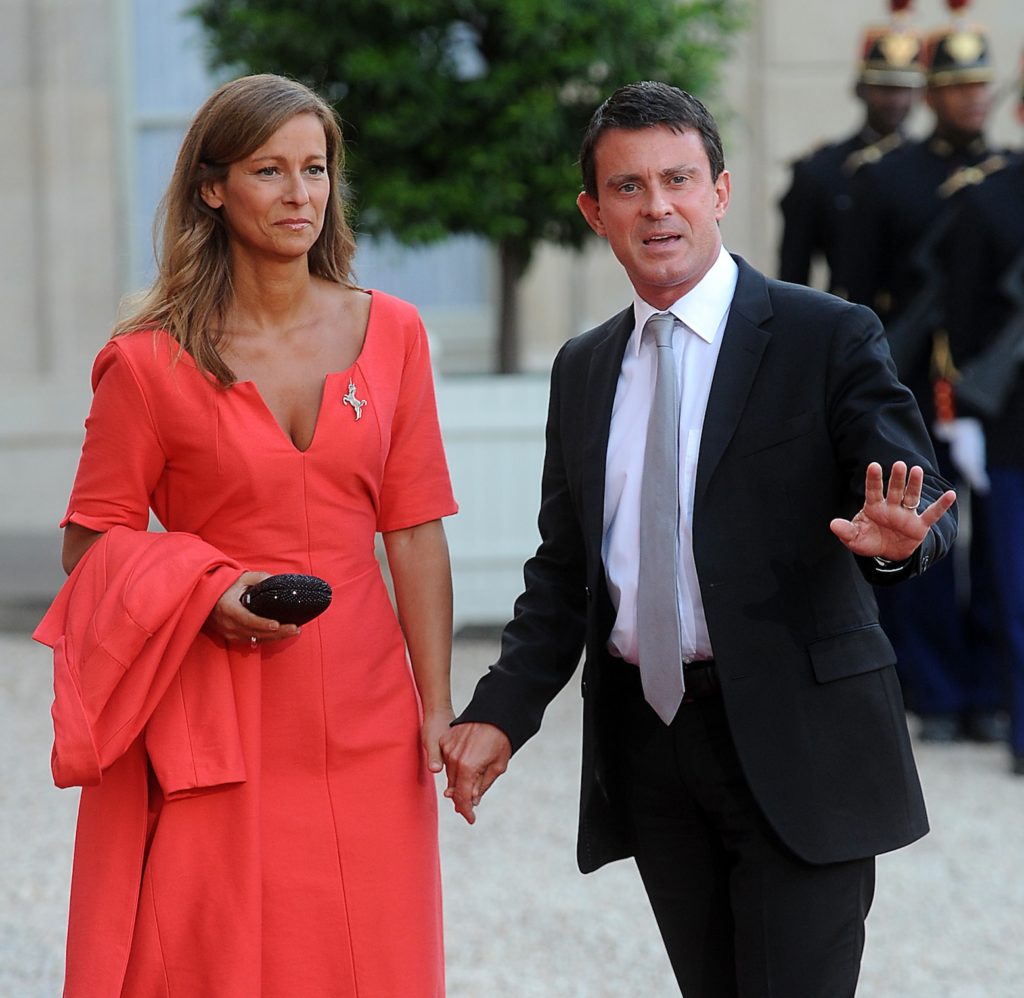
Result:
[{"x": 702, "y": 308}]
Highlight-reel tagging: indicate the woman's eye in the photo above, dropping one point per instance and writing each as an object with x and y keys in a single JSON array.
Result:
[
  {"x": 267, "y": 171},
  {"x": 318, "y": 170}
]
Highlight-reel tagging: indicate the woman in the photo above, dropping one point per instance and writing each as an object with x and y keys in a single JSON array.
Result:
[{"x": 268, "y": 788}]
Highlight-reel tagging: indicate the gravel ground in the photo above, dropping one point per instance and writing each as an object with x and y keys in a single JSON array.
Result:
[{"x": 948, "y": 919}]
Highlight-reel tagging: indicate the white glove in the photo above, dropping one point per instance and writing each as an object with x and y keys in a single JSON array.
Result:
[{"x": 966, "y": 440}]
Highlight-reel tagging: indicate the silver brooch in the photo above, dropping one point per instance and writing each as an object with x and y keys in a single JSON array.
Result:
[{"x": 350, "y": 399}]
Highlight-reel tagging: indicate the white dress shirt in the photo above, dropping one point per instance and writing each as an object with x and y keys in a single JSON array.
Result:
[{"x": 701, "y": 316}]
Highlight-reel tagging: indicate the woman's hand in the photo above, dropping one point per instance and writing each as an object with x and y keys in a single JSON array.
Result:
[
  {"x": 436, "y": 723},
  {"x": 233, "y": 622}
]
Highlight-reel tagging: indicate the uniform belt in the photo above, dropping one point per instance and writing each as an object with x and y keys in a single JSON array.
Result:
[{"x": 701, "y": 680}]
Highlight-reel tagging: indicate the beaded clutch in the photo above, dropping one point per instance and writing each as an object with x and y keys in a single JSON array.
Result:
[{"x": 288, "y": 598}]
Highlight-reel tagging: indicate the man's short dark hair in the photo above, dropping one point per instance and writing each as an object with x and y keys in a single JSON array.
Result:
[{"x": 644, "y": 105}]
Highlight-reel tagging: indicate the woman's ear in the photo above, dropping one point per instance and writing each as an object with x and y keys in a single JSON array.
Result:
[{"x": 209, "y": 192}]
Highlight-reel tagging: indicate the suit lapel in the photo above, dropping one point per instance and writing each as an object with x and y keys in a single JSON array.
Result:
[
  {"x": 602, "y": 379},
  {"x": 743, "y": 344}
]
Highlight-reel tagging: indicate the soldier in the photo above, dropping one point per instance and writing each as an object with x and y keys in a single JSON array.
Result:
[
  {"x": 813, "y": 209},
  {"x": 901, "y": 211},
  {"x": 985, "y": 319}
]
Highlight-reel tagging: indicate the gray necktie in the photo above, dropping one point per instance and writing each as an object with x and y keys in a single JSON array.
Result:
[{"x": 657, "y": 613}]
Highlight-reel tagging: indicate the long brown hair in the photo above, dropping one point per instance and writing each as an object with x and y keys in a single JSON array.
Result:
[{"x": 192, "y": 291}]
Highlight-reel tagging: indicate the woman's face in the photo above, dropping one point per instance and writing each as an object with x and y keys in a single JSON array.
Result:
[{"x": 273, "y": 201}]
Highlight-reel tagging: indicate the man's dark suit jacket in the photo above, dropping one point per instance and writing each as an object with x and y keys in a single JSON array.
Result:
[{"x": 804, "y": 396}]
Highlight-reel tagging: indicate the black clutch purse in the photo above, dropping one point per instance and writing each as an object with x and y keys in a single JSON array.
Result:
[{"x": 288, "y": 598}]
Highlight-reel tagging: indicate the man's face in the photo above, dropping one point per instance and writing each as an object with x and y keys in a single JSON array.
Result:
[
  {"x": 887, "y": 107},
  {"x": 961, "y": 107},
  {"x": 658, "y": 207}
]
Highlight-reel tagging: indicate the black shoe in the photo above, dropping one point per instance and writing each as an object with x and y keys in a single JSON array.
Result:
[
  {"x": 940, "y": 728},
  {"x": 986, "y": 726}
]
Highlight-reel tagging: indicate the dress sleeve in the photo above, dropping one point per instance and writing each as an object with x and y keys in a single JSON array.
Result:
[
  {"x": 122, "y": 457},
  {"x": 416, "y": 486}
]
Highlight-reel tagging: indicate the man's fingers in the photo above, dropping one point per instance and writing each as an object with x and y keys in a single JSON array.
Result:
[
  {"x": 873, "y": 483},
  {"x": 843, "y": 529},
  {"x": 461, "y": 806},
  {"x": 938, "y": 509},
  {"x": 912, "y": 491},
  {"x": 897, "y": 485},
  {"x": 485, "y": 780},
  {"x": 475, "y": 754}
]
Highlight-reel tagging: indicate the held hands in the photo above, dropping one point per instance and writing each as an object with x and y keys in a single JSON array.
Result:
[
  {"x": 888, "y": 524},
  {"x": 475, "y": 755},
  {"x": 233, "y": 622},
  {"x": 435, "y": 723}
]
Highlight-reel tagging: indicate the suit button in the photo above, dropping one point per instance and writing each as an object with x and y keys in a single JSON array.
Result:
[{"x": 589, "y": 594}]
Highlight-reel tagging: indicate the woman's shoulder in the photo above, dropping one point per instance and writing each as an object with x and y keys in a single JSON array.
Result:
[
  {"x": 152, "y": 356},
  {"x": 394, "y": 308}
]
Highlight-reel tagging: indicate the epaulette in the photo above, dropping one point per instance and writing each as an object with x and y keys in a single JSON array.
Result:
[
  {"x": 872, "y": 153},
  {"x": 969, "y": 176}
]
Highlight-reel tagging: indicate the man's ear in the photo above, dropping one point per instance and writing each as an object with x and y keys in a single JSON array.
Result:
[
  {"x": 590, "y": 208},
  {"x": 723, "y": 191}
]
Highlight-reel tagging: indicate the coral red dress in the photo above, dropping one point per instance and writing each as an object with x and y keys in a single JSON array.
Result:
[{"x": 336, "y": 822}]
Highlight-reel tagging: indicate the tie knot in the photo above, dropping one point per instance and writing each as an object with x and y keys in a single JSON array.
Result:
[{"x": 660, "y": 326}]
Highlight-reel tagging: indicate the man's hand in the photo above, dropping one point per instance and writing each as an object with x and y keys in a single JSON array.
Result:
[
  {"x": 475, "y": 755},
  {"x": 888, "y": 524}
]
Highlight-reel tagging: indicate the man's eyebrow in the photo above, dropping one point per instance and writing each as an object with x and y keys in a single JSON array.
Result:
[
  {"x": 687, "y": 168},
  {"x": 671, "y": 171},
  {"x": 622, "y": 178}
]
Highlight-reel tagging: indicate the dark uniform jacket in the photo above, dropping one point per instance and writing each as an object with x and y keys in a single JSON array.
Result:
[
  {"x": 815, "y": 207},
  {"x": 984, "y": 240},
  {"x": 804, "y": 396},
  {"x": 898, "y": 203}
]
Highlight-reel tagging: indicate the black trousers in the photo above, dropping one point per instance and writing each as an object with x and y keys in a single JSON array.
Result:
[{"x": 740, "y": 915}]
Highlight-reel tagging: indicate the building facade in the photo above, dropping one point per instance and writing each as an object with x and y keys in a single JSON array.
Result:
[{"x": 94, "y": 97}]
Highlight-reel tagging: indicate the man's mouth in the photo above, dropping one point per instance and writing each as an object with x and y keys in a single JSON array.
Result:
[{"x": 661, "y": 239}]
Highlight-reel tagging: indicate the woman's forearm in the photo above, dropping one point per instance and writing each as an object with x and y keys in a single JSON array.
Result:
[{"x": 421, "y": 572}]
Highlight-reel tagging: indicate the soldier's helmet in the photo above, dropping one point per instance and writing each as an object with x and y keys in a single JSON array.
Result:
[
  {"x": 960, "y": 52},
  {"x": 892, "y": 54}
]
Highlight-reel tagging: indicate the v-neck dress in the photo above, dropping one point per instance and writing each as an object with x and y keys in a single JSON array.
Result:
[{"x": 347, "y": 811}]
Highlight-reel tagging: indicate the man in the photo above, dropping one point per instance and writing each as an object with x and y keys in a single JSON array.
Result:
[
  {"x": 815, "y": 207},
  {"x": 985, "y": 317},
  {"x": 754, "y": 807},
  {"x": 943, "y": 632}
]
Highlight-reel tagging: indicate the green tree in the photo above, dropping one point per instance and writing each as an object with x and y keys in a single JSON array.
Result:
[{"x": 464, "y": 116}]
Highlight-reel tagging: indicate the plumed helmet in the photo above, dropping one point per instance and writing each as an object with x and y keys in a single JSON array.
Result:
[
  {"x": 891, "y": 54},
  {"x": 958, "y": 53}
]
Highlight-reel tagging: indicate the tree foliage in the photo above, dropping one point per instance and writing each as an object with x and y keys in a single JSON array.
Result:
[{"x": 465, "y": 116}]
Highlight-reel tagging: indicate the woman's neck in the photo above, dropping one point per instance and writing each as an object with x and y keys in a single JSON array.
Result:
[{"x": 269, "y": 297}]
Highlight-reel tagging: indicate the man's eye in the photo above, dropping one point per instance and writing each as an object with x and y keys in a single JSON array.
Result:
[{"x": 628, "y": 188}]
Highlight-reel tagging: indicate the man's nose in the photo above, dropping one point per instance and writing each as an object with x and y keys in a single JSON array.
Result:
[{"x": 656, "y": 204}]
